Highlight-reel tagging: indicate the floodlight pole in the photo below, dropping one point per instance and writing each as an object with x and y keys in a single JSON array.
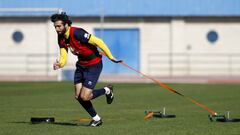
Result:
[{"x": 102, "y": 17}]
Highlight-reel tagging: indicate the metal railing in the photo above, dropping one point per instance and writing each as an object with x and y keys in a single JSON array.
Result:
[
  {"x": 159, "y": 64},
  {"x": 186, "y": 64},
  {"x": 27, "y": 64}
]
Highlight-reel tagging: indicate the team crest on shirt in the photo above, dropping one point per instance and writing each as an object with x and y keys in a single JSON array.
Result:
[
  {"x": 89, "y": 82},
  {"x": 86, "y": 35}
]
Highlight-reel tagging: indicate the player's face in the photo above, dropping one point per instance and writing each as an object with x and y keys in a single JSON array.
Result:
[{"x": 60, "y": 27}]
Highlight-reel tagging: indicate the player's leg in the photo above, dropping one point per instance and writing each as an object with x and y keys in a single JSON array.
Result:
[
  {"x": 91, "y": 78},
  {"x": 86, "y": 95},
  {"x": 86, "y": 104},
  {"x": 78, "y": 88},
  {"x": 90, "y": 94},
  {"x": 91, "y": 75}
]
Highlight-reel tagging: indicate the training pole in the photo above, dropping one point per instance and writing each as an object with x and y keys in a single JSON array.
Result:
[{"x": 170, "y": 89}]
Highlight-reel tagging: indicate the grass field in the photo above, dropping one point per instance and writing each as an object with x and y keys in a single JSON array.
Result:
[{"x": 19, "y": 101}]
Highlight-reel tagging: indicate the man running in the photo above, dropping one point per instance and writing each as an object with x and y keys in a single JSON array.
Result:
[{"x": 89, "y": 64}]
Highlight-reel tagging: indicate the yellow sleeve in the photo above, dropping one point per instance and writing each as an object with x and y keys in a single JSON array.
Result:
[
  {"x": 63, "y": 57},
  {"x": 99, "y": 43}
]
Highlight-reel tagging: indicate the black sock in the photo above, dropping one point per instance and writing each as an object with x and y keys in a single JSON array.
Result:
[
  {"x": 97, "y": 93},
  {"x": 87, "y": 105}
]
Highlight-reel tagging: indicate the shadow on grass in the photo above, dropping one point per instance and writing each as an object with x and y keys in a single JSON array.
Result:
[
  {"x": 54, "y": 123},
  {"x": 70, "y": 124}
]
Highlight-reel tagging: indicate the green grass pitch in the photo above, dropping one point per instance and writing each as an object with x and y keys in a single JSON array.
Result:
[{"x": 19, "y": 101}]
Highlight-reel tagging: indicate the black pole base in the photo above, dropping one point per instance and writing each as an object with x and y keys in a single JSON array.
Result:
[
  {"x": 222, "y": 118},
  {"x": 36, "y": 120},
  {"x": 159, "y": 114}
]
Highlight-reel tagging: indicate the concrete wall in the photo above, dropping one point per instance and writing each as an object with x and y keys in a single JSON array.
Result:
[
  {"x": 31, "y": 56},
  {"x": 168, "y": 46}
]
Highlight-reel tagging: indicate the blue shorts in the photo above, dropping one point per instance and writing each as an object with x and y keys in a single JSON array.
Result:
[{"x": 88, "y": 75}]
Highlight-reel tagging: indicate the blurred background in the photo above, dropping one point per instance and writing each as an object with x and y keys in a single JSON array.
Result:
[{"x": 173, "y": 40}]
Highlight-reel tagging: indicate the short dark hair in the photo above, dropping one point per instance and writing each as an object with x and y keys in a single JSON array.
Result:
[{"x": 62, "y": 17}]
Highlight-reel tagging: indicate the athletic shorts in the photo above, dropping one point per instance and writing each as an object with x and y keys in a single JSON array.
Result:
[{"x": 87, "y": 75}]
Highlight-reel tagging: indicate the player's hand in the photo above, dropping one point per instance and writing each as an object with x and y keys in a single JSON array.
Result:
[
  {"x": 116, "y": 61},
  {"x": 56, "y": 65}
]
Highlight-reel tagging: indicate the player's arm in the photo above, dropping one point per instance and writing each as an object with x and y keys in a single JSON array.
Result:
[
  {"x": 63, "y": 58},
  {"x": 85, "y": 37},
  {"x": 99, "y": 43}
]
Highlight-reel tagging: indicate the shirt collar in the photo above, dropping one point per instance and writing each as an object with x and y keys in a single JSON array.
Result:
[{"x": 66, "y": 34}]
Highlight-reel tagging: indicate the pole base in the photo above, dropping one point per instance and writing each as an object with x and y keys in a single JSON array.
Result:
[
  {"x": 157, "y": 114},
  {"x": 36, "y": 120},
  {"x": 222, "y": 118}
]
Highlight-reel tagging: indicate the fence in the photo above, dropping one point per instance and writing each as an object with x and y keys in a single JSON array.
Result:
[
  {"x": 159, "y": 64},
  {"x": 185, "y": 64},
  {"x": 27, "y": 64}
]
